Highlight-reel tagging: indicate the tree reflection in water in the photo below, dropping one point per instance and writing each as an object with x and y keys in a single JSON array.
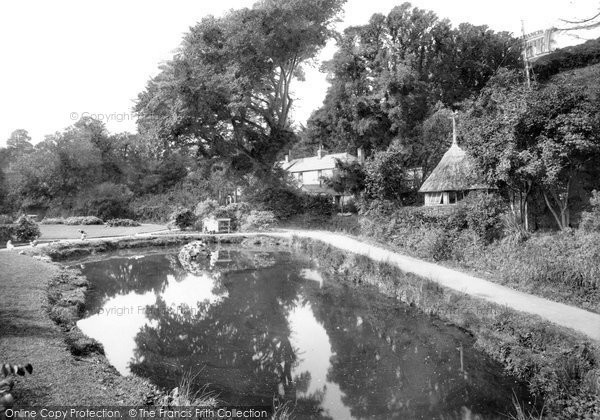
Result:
[
  {"x": 272, "y": 327},
  {"x": 392, "y": 362},
  {"x": 240, "y": 345},
  {"x": 120, "y": 275}
]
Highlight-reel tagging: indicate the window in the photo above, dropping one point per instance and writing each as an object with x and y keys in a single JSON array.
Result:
[{"x": 452, "y": 197}]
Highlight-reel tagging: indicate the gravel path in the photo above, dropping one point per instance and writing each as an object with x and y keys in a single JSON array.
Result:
[{"x": 568, "y": 316}]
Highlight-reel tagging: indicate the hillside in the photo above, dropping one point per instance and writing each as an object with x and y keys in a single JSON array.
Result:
[{"x": 564, "y": 59}]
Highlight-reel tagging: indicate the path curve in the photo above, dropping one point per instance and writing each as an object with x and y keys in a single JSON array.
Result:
[{"x": 568, "y": 316}]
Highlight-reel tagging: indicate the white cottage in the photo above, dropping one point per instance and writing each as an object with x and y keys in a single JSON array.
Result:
[{"x": 311, "y": 172}]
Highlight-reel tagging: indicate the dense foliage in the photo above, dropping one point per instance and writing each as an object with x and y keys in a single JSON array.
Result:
[
  {"x": 258, "y": 220},
  {"x": 569, "y": 58},
  {"x": 26, "y": 229},
  {"x": 390, "y": 76},
  {"x": 183, "y": 218},
  {"x": 386, "y": 177},
  {"x": 228, "y": 90},
  {"x": 122, "y": 222},
  {"x": 544, "y": 139}
]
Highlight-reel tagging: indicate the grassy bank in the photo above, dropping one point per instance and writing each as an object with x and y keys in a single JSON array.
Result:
[
  {"x": 564, "y": 267},
  {"x": 28, "y": 335},
  {"x": 40, "y": 304},
  {"x": 561, "y": 367}
]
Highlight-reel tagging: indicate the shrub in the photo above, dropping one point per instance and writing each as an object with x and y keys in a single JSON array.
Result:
[
  {"x": 318, "y": 205},
  {"x": 6, "y": 233},
  {"x": 568, "y": 58},
  {"x": 53, "y": 221},
  {"x": 26, "y": 229},
  {"x": 258, "y": 220},
  {"x": 441, "y": 245},
  {"x": 5, "y": 219},
  {"x": 205, "y": 208},
  {"x": 122, "y": 222},
  {"x": 484, "y": 215},
  {"x": 377, "y": 207},
  {"x": 83, "y": 220},
  {"x": 590, "y": 221},
  {"x": 110, "y": 201},
  {"x": 283, "y": 202},
  {"x": 183, "y": 218}
]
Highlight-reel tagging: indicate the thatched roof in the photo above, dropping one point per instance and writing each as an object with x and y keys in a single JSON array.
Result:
[{"x": 455, "y": 172}]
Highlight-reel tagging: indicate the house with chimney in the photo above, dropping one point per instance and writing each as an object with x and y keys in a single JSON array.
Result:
[{"x": 310, "y": 173}]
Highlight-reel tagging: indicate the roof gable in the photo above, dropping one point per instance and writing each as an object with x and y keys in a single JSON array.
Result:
[{"x": 315, "y": 163}]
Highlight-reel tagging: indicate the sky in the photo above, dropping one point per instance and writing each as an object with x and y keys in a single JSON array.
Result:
[{"x": 63, "y": 59}]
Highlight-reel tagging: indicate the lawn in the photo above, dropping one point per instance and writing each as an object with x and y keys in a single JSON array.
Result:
[
  {"x": 27, "y": 335},
  {"x": 50, "y": 232}
]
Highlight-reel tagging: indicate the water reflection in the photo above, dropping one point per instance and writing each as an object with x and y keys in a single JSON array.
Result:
[{"x": 259, "y": 327}]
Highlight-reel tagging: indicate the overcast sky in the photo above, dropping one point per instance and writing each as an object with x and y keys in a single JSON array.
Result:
[{"x": 62, "y": 59}]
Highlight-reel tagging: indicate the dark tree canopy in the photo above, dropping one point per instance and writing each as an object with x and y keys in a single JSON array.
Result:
[
  {"x": 392, "y": 74},
  {"x": 543, "y": 138},
  {"x": 227, "y": 91}
]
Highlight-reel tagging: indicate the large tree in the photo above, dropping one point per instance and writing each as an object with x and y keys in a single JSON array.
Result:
[
  {"x": 561, "y": 132},
  {"x": 392, "y": 74},
  {"x": 19, "y": 143},
  {"x": 488, "y": 131},
  {"x": 544, "y": 137},
  {"x": 228, "y": 90}
]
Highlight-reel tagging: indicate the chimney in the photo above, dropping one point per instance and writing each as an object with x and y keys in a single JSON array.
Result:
[
  {"x": 320, "y": 151},
  {"x": 360, "y": 154}
]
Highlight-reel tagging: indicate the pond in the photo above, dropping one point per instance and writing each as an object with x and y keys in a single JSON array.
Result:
[{"x": 258, "y": 325}]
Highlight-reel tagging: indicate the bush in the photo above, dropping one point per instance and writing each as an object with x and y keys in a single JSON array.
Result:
[
  {"x": 122, "y": 222},
  {"x": 318, "y": 205},
  {"x": 205, "y": 208},
  {"x": 5, "y": 219},
  {"x": 6, "y": 234},
  {"x": 183, "y": 218},
  {"x": 590, "y": 221},
  {"x": 26, "y": 229},
  {"x": 83, "y": 220},
  {"x": 377, "y": 207},
  {"x": 564, "y": 59},
  {"x": 283, "y": 202},
  {"x": 258, "y": 220},
  {"x": 53, "y": 221},
  {"x": 483, "y": 214},
  {"x": 110, "y": 201}
]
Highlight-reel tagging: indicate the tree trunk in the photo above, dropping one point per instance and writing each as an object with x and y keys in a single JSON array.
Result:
[{"x": 559, "y": 219}]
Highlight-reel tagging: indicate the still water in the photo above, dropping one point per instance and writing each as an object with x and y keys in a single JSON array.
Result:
[{"x": 262, "y": 325}]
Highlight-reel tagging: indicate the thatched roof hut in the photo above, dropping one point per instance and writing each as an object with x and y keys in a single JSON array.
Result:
[{"x": 452, "y": 178}]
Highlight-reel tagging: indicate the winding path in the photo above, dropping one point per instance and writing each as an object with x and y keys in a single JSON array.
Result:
[{"x": 579, "y": 320}]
